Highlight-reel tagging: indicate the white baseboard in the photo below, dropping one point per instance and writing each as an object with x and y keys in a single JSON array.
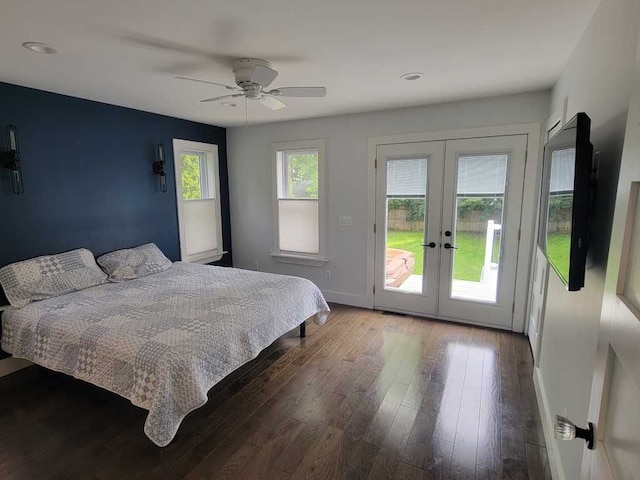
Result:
[
  {"x": 547, "y": 426},
  {"x": 350, "y": 299},
  {"x": 10, "y": 365}
]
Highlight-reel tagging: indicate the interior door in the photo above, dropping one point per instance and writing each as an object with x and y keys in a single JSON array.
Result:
[
  {"x": 408, "y": 211},
  {"x": 480, "y": 228},
  {"x": 615, "y": 395}
]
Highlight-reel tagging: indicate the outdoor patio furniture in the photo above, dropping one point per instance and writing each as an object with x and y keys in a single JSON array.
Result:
[{"x": 399, "y": 266}]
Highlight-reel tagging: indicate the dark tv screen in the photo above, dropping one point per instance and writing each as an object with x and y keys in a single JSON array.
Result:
[{"x": 566, "y": 194}]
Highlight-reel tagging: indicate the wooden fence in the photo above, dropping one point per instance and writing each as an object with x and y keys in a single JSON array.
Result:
[{"x": 474, "y": 221}]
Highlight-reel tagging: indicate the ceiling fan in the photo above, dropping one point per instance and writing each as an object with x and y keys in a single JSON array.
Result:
[{"x": 252, "y": 77}]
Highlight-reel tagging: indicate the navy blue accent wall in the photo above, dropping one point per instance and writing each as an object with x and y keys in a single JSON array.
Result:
[{"x": 88, "y": 176}]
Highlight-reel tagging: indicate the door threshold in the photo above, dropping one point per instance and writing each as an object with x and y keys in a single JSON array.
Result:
[{"x": 405, "y": 313}]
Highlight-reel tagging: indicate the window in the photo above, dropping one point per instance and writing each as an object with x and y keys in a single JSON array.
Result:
[
  {"x": 197, "y": 187},
  {"x": 299, "y": 202}
]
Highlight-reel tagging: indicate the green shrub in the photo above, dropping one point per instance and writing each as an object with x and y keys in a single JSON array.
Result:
[
  {"x": 489, "y": 207},
  {"x": 414, "y": 207}
]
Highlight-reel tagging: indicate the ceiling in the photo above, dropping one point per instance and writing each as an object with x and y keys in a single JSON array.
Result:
[{"x": 127, "y": 52}]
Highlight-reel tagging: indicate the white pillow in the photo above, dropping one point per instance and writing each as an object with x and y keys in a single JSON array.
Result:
[
  {"x": 49, "y": 276},
  {"x": 131, "y": 263}
]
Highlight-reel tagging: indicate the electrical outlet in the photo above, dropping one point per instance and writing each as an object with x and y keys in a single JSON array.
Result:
[
  {"x": 257, "y": 266},
  {"x": 327, "y": 274}
]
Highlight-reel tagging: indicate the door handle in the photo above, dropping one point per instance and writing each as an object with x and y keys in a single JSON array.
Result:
[
  {"x": 430, "y": 244},
  {"x": 449, "y": 246},
  {"x": 565, "y": 429}
]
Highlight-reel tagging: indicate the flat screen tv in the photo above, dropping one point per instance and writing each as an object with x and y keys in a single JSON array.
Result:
[{"x": 566, "y": 194}]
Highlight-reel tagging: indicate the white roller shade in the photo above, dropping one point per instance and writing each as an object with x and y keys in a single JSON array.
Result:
[
  {"x": 298, "y": 226},
  {"x": 200, "y": 226}
]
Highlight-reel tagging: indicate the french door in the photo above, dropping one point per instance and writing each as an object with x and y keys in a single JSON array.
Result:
[
  {"x": 408, "y": 210},
  {"x": 447, "y": 223}
]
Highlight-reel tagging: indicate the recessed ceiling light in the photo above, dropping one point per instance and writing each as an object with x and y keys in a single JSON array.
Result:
[
  {"x": 412, "y": 76},
  {"x": 229, "y": 104},
  {"x": 38, "y": 47}
]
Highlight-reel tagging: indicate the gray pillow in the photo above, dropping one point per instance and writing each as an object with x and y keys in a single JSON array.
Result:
[
  {"x": 131, "y": 263},
  {"x": 49, "y": 276}
]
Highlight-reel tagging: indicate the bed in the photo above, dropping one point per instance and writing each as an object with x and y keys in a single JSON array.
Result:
[{"x": 162, "y": 340}]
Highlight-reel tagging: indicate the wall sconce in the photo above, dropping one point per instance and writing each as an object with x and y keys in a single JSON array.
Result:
[
  {"x": 11, "y": 160},
  {"x": 565, "y": 429},
  {"x": 158, "y": 168}
]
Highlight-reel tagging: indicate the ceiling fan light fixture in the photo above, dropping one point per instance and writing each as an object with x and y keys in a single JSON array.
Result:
[
  {"x": 252, "y": 76},
  {"x": 38, "y": 47},
  {"x": 412, "y": 76}
]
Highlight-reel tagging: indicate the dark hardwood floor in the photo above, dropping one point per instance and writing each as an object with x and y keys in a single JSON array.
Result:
[{"x": 367, "y": 396}]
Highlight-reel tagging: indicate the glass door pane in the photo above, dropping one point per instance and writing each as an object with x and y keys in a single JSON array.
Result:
[
  {"x": 406, "y": 213},
  {"x": 477, "y": 238}
]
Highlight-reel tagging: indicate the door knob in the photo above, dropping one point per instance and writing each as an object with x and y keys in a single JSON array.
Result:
[
  {"x": 449, "y": 246},
  {"x": 565, "y": 429},
  {"x": 447, "y": 233},
  {"x": 430, "y": 244}
]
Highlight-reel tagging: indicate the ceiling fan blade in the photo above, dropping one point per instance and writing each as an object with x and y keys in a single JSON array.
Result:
[
  {"x": 176, "y": 47},
  {"x": 183, "y": 68},
  {"x": 215, "y": 99},
  {"x": 263, "y": 75},
  {"x": 299, "y": 92},
  {"x": 228, "y": 87},
  {"x": 271, "y": 102}
]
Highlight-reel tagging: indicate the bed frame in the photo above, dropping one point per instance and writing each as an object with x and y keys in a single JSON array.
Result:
[{"x": 303, "y": 329}]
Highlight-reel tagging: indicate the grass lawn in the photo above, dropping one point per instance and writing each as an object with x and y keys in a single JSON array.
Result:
[
  {"x": 468, "y": 258},
  {"x": 558, "y": 248}
]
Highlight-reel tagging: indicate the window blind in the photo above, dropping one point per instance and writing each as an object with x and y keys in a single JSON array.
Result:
[
  {"x": 298, "y": 225},
  {"x": 200, "y": 226}
]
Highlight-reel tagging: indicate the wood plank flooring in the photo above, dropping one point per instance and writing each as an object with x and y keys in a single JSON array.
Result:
[{"x": 366, "y": 396}]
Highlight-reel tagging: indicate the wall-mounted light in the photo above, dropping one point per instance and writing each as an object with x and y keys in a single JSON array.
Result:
[
  {"x": 158, "y": 168},
  {"x": 10, "y": 160}
]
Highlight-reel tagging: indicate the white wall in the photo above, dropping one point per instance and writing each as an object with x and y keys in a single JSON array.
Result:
[
  {"x": 346, "y": 138},
  {"x": 596, "y": 80}
]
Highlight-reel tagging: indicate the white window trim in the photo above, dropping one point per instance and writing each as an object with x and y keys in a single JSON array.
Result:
[
  {"x": 281, "y": 256},
  {"x": 211, "y": 151}
]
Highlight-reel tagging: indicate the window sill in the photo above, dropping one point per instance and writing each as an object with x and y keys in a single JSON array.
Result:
[
  {"x": 299, "y": 259},
  {"x": 207, "y": 259}
]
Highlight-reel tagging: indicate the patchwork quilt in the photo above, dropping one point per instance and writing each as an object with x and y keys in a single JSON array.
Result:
[{"x": 163, "y": 340}]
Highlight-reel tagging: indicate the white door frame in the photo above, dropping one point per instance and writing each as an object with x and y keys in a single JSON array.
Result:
[
  {"x": 555, "y": 121},
  {"x": 529, "y": 204}
]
